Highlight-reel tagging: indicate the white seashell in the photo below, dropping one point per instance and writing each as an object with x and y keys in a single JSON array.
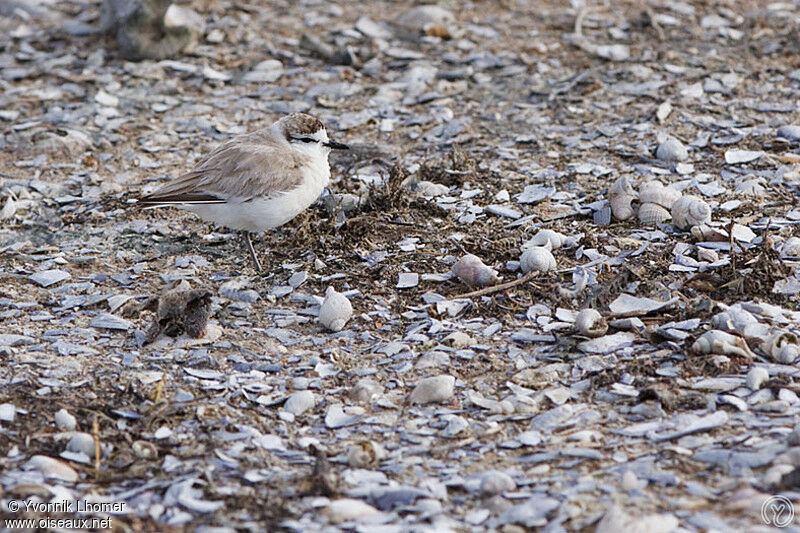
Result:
[
  {"x": 620, "y": 195},
  {"x": 591, "y": 323},
  {"x": 734, "y": 319},
  {"x": 537, "y": 258},
  {"x": 348, "y": 509},
  {"x": 651, "y": 214},
  {"x": 672, "y": 150},
  {"x": 365, "y": 454},
  {"x": 81, "y": 443},
  {"x": 471, "y": 270},
  {"x": 655, "y": 192},
  {"x": 720, "y": 342},
  {"x": 51, "y": 468},
  {"x": 7, "y": 412},
  {"x": 433, "y": 390},
  {"x": 782, "y": 346},
  {"x": 704, "y": 233},
  {"x": 9, "y": 209},
  {"x": 547, "y": 236},
  {"x": 690, "y": 211},
  {"x": 496, "y": 482},
  {"x": 707, "y": 254},
  {"x": 299, "y": 402},
  {"x": 756, "y": 377},
  {"x": 791, "y": 248},
  {"x": 335, "y": 311}
]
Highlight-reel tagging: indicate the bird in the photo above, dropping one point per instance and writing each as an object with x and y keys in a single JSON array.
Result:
[{"x": 255, "y": 181}]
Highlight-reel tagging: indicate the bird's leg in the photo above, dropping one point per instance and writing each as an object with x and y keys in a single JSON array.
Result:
[{"x": 252, "y": 251}]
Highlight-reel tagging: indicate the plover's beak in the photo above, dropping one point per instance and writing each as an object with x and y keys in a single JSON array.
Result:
[{"x": 333, "y": 145}]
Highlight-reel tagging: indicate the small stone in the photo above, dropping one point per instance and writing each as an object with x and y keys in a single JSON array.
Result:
[
  {"x": 65, "y": 421},
  {"x": 81, "y": 443},
  {"x": 495, "y": 482},
  {"x": 366, "y": 390},
  {"x": 7, "y": 412},
  {"x": 433, "y": 390},
  {"x": 672, "y": 150},
  {"x": 348, "y": 509},
  {"x": 756, "y": 377},
  {"x": 407, "y": 280}
]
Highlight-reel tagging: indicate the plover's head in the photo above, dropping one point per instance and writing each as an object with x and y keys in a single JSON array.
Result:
[{"x": 306, "y": 134}]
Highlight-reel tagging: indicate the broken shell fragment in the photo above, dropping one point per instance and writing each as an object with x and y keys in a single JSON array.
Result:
[
  {"x": 537, "y": 258},
  {"x": 471, "y": 270},
  {"x": 791, "y": 248},
  {"x": 620, "y": 195},
  {"x": 591, "y": 323},
  {"x": 651, "y": 214},
  {"x": 672, "y": 150},
  {"x": 720, "y": 342},
  {"x": 335, "y": 311},
  {"x": 690, "y": 211}
]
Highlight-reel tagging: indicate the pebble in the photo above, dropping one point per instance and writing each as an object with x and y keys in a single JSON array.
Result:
[
  {"x": 7, "y": 412},
  {"x": 756, "y": 377},
  {"x": 65, "y": 421},
  {"x": 495, "y": 482},
  {"x": 82, "y": 443},
  {"x": 299, "y": 402},
  {"x": 348, "y": 509},
  {"x": 407, "y": 280},
  {"x": 435, "y": 389},
  {"x": 672, "y": 150}
]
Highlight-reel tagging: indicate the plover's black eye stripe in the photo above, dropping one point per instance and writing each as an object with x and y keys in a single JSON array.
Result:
[{"x": 304, "y": 139}]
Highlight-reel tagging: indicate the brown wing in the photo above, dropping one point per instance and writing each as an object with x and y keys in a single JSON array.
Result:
[{"x": 245, "y": 167}]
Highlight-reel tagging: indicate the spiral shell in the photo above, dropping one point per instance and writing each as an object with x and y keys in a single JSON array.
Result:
[
  {"x": 620, "y": 195},
  {"x": 688, "y": 211},
  {"x": 591, "y": 323},
  {"x": 651, "y": 214},
  {"x": 719, "y": 342},
  {"x": 655, "y": 192},
  {"x": 471, "y": 270},
  {"x": 547, "y": 236},
  {"x": 705, "y": 233},
  {"x": 782, "y": 346},
  {"x": 537, "y": 258},
  {"x": 335, "y": 311}
]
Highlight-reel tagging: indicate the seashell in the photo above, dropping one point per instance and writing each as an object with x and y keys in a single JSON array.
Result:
[
  {"x": 365, "y": 454},
  {"x": 789, "y": 132},
  {"x": 366, "y": 390},
  {"x": 782, "y": 346},
  {"x": 620, "y": 195},
  {"x": 707, "y": 254},
  {"x": 348, "y": 509},
  {"x": 791, "y": 248},
  {"x": 672, "y": 150},
  {"x": 537, "y": 258},
  {"x": 651, "y": 214},
  {"x": 704, "y": 233},
  {"x": 591, "y": 323},
  {"x": 51, "y": 468},
  {"x": 65, "y": 421},
  {"x": 81, "y": 443},
  {"x": 756, "y": 377},
  {"x": 299, "y": 402},
  {"x": 545, "y": 236},
  {"x": 655, "y": 192},
  {"x": 735, "y": 320},
  {"x": 688, "y": 211},
  {"x": 471, "y": 270},
  {"x": 720, "y": 342},
  {"x": 335, "y": 311},
  {"x": 9, "y": 208}
]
